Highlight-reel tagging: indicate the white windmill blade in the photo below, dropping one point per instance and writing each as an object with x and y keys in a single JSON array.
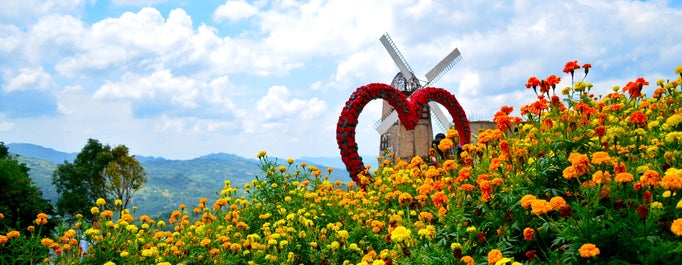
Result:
[
  {"x": 440, "y": 116},
  {"x": 397, "y": 57},
  {"x": 387, "y": 122},
  {"x": 443, "y": 66}
]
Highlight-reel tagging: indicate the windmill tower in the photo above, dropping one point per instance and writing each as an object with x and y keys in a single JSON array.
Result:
[{"x": 394, "y": 137}]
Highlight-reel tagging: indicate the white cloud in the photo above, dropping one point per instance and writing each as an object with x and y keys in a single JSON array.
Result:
[
  {"x": 234, "y": 10},
  {"x": 25, "y": 11},
  {"x": 139, "y": 3},
  {"x": 276, "y": 104},
  {"x": 6, "y": 126},
  {"x": 180, "y": 91},
  {"x": 29, "y": 79}
]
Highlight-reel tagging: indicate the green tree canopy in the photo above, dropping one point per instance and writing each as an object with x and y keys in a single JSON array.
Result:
[
  {"x": 20, "y": 199},
  {"x": 124, "y": 175},
  {"x": 97, "y": 172}
]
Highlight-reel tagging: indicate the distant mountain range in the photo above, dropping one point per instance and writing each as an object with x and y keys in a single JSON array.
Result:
[{"x": 171, "y": 182}]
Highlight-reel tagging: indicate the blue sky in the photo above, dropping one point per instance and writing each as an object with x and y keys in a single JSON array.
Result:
[{"x": 181, "y": 78}]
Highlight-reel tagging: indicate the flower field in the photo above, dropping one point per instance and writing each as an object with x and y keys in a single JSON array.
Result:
[{"x": 576, "y": 179}]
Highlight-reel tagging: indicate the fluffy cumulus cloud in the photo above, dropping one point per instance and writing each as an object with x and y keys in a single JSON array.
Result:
[
  {"x": 29, "y": 79},
  {"x": 201, "y": 72},
  {"x": 277, "y": 105},
  {"x": 233, "y": 10}
]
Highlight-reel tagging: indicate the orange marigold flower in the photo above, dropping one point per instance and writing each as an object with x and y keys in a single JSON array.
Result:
[
  {"x": 557, "y": 202},
  {"x": 468, "y": 260},
  {"x": 649, "y": 178},
  {"x": 3, "y": 240},
  {"x": 539, "y": 207},
  {"x": 528, "y": 233},
  {"x": 580, "y": 162},
  {"x": 526, "y": 200},
  {"x": 676, "y": 227},
  {"x": 599, "y": 158},
  {"x": 13, "y": 234},
  {"x": 442, "y": 211},
  {"x": 494, "y": 255},
  {"x": 445, "y": 144},
  {"x": 671, "y": 182},
  {"x": 624, "y": 177},
  {"x": 466, "y": 187},
  {"x": 601, "y": 177},
  {"x": 439, "y": 198},
  {"x": 588, "y": 250},
  {"x": 405, "y": 198},
  {"x": 570, "y": 172}
]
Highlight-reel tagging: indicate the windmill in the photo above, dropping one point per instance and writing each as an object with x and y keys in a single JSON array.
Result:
[{"x": 394, "y": 137}]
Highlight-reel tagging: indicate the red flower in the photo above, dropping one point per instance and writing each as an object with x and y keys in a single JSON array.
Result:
[
  {"x": 634, "y": 89},
  {"x": 587, "y": 67},
  {"x": 642, "y": 211},
  {"x": 533, "y": 82},
  {"x": 553, "y": 80},
  {"x": 571, "y": 66},
  {"x": 638, "y": 118}
]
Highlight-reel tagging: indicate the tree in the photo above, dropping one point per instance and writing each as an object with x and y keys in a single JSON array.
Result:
[
  {"x": 80, "y": 183},
  {"x": 97, "y": 172},
  {"x": 124, "y": 175},
  {"x": 20, "y": 199}
]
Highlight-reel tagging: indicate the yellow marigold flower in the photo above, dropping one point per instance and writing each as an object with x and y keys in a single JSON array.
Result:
[
  {"x": 471, "y": 229},
  {"x": 100, "y": 202},
  {"x": 679, "y": 204},
  {"x": 124, "y": 254},
  {"x": 378, "y": 262},
  {"x": 656, "y": 205},
  {"x": 676, "y": 227},
  {"x": 494, "y": 256},
  {"x": 94, "y": 210},
  {"x": 588, "y": 250},
  {"x": 109, "y": 263},
  {"x": 400, "y": 234},
  {"x": 674, "y": 120},
  {"x": 503, "y": 261},
  {"x": 468, "y": 260},
  {"x": 678, "y": 70}
]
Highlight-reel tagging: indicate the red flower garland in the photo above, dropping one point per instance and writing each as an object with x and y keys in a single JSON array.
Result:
[{"x": 409, "y": 111}]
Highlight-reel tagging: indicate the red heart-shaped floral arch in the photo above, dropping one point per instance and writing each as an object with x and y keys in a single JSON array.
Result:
[{"x": 409, "y": 111}]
